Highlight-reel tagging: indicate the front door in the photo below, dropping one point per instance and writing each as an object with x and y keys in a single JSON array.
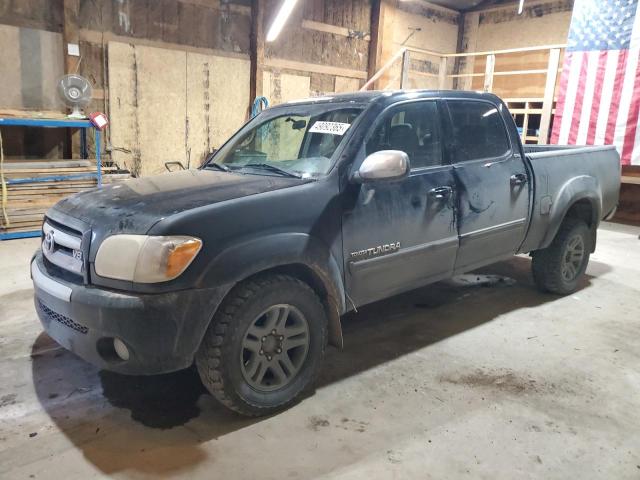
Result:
[
  {"x": 492, "y": 182},
  {"x": 398, "y": 236}
]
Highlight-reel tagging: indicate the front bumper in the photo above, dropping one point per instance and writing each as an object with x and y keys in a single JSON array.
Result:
[{"x": 162, "y": 332}]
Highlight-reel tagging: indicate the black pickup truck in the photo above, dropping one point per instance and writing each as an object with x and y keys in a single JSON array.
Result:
[{"x": 310, "y": 210}]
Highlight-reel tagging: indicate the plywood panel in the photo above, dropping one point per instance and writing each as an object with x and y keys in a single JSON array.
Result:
[
  {"x": 123, "y": 102},
  {"x": 31, "y": 63},
  {"x": 345, "y": 85},
  {"x": 230, "y": 94},
  {"x": 217, "y": 100},
  {"x": 542, "y": 24},
  {"x": 284, "y": 87},
  {"x": 171, "y": 105},
  {"x": 162, "y": 107},
  {"x": 199, "y": 108}
]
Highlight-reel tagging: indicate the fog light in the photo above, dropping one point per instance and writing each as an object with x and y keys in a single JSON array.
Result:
[{"x": 121, "y": 349}]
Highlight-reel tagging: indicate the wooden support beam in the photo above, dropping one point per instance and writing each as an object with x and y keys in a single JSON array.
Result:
[
  {"x": 442, "y": 74},
  {"x": 525, "y": 123},
  {"x": 256, "y": 54},
  {"x": 71, "y": 45},
  {"x": 488, "y": 73},
  {"x": 70, "y": 35},
  {"x": 549, "y": 94},
  {"x": 380, "y": 46},
  {"x": 404, "y": 73}
]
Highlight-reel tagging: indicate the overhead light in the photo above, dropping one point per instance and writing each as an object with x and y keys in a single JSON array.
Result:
[
  {"x": 520, "y": 7},
  {"x": 281, "y": 19}
]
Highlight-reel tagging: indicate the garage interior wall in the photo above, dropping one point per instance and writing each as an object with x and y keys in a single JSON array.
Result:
[
  {"x": 541, "y": 23},
  {"x": 175, "y": 76}
]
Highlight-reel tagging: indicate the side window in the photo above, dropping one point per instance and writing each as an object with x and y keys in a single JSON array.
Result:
[
  {"x": 413, "y": 128},
  {"x": 478, "y": 130}
]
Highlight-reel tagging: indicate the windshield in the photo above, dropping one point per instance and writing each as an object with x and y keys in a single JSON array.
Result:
[{"x": 298, "y": 143}]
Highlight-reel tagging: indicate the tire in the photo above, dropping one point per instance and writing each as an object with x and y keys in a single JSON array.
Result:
[
  {"x": 242, "y": 362},
  {"x": 554, "y": 270}
]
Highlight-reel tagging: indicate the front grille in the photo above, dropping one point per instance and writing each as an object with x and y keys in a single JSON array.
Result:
[
  {"x": 64, "y": 320},
  {"x": 62, "y": 247}
]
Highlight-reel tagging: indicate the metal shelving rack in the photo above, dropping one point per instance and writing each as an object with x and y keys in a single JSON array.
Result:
[{"x": 84, "y": 126}]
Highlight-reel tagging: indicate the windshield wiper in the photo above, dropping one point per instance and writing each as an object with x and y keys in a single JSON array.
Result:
[
  {"x": 272, "y": 168},
  {"x": 218, "y": 166}
]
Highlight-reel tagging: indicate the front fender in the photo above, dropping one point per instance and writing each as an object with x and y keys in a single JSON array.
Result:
[{"x": 267, "y": 252}]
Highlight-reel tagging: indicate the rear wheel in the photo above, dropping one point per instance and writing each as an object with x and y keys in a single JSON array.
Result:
[
  {"x": 559, "y": 267},
  {"x": 264, "y": 345}
]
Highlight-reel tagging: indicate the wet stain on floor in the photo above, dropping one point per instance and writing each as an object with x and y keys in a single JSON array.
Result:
[
  {"x": 157, "y": 401},
  {"x": 500, "y": 380}
]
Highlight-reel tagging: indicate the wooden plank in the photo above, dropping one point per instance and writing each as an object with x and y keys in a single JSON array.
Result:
[
  {"x": 418, "y": 73},
  {"x": 39, "y": 114},
  {"x": 44, "y": 163},
  {"x": 380, "y": 73},
  {"x": 488, "y": 73},
  {"x": 630, "y": 179},
  {"x": 549, "y": 94},
  {"x": 505, "y": 51},
  {"x": 315, "y": 68},
  {"x": 328, "y": 28}
]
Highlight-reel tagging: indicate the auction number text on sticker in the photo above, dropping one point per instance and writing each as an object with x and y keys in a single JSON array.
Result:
[{"x": 333, "y": 128}]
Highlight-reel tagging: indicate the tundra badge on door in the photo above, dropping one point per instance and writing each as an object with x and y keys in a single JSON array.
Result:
[{"x": 374, "y": 251}]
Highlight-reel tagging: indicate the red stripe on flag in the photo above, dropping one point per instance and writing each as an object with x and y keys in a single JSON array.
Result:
[
  {"x": 632, "y": 122},
  {"x": 577, "y": 108},
  {"x": 615, "y": 99},
  {"x": 562, "y": 94},
  {"x": 597, "y": 95}
]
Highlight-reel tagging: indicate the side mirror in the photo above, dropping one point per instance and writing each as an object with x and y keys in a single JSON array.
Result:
[{"x": 383, "y": 166}]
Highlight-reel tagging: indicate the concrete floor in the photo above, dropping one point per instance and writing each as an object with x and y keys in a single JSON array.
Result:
[{"x": 445, "y": 382}]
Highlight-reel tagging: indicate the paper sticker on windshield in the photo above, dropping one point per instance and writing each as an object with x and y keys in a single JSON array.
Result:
[{"x": 333, "y": 128}]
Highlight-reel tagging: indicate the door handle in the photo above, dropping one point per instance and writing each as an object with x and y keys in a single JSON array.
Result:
[
  {"x": 440, "y": 193},
  {"x": 518, "y": 179}
]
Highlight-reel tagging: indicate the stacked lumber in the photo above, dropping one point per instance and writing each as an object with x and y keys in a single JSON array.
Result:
[
  {"x": 28, "y": 202},
  {"x": 629, "y": 202}
]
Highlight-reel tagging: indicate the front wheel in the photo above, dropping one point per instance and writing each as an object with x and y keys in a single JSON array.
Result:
[
  {"x": 264, "y": 346},
  {"x": 559, "y": 267}
]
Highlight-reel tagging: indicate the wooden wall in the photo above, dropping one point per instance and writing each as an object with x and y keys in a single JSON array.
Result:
[
  {"x": 324, "y": 49},
  {"x": 542, "y": 22},
  {"x": 171, "y": 105},
  {"x": 327, "y": 46}
]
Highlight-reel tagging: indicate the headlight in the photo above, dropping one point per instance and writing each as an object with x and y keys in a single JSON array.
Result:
[{"x": 145, "y": 259}]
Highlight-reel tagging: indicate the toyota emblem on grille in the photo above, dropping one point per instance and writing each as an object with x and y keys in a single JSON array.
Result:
[{"x": 48, "y": 243}]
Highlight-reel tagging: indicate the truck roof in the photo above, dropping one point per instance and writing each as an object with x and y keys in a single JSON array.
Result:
[{"x": 388, "y": 97}]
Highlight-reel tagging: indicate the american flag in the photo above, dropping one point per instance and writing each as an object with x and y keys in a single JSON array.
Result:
[{"x": 599, "y": 97}]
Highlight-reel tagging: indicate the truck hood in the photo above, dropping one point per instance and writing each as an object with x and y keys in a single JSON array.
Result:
[{"x": 136, "y": 205}]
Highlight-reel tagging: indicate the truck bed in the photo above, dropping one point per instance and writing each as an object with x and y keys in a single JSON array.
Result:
[{"x": 562, "y": 174}]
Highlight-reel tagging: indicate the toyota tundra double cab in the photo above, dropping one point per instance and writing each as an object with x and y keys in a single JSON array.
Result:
[{"x": 313, "y": 208}]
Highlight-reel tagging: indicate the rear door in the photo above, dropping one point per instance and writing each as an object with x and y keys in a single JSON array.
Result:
[
  {"x": 492, "y": 183},
  {"x": 398, "y": 236}
]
